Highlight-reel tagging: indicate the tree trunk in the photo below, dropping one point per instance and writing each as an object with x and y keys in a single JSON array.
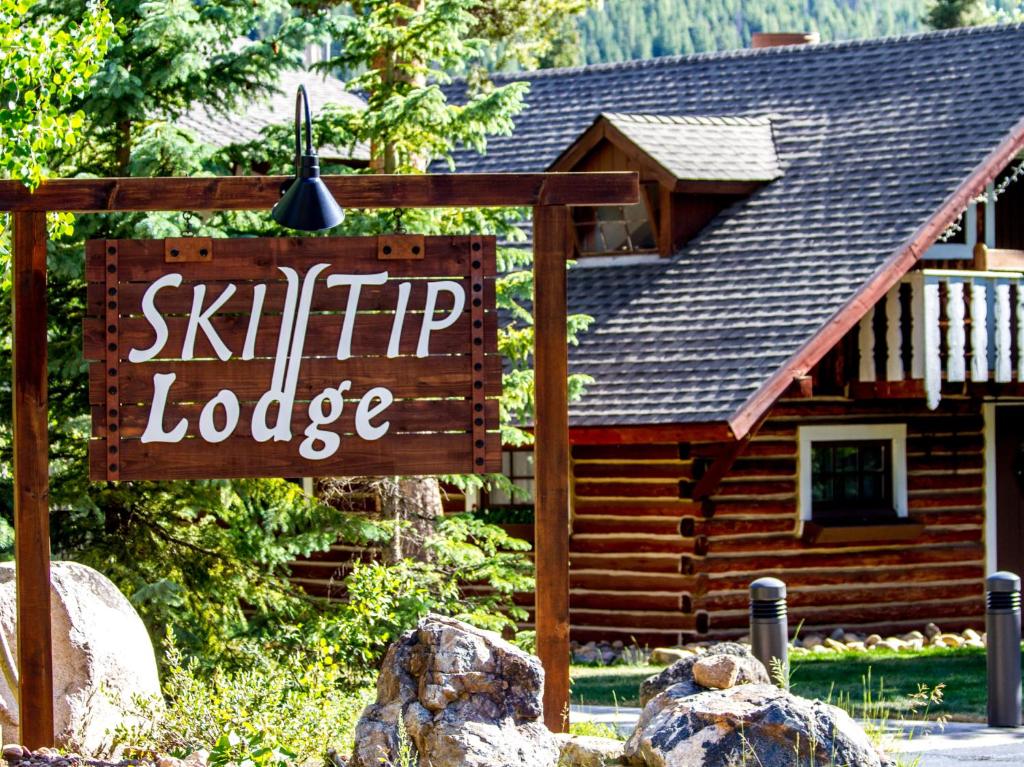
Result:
[{"x": 414, "y": 503}]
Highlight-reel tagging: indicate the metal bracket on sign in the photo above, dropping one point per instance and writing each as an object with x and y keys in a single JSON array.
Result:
[
  {"x": 182, "y": 250},
  {"x": 400, "y": 247}
]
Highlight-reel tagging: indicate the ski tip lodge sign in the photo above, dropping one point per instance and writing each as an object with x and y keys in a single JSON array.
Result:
[{"x": 219, "y": 358}]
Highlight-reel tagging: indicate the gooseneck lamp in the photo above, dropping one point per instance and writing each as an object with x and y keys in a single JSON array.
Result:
[{"x": 307, "y": 204}]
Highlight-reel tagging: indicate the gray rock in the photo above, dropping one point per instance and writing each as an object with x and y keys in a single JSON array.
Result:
[
  {"x": 466, "y": 698},
  {"x": 102, "y": 657},
  {"x": 588, "y": 751},
  {"x": 751, "y": 724},
  {"x": 681, "y": 671}
]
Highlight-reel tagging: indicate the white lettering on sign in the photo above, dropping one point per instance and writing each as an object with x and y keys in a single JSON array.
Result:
[{"x": 273, "y": 412}]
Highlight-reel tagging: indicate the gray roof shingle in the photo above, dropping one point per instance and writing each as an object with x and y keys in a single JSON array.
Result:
[
  {"x": 872, "y": 137},
  {"x": 704, "y": 148}
]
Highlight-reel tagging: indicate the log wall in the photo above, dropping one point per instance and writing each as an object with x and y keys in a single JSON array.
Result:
[{"x": 650, "y": 564}]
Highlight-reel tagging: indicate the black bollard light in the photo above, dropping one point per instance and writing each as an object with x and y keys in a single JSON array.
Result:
[
  {"x": 1002, "y": 625},
  {"x": 769, "y": 626}
]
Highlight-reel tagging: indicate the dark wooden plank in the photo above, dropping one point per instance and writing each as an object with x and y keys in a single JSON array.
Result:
[
  {"x": 259, "y": 258},
  {"x": 351, "y": 191},
  {"x": 370, "y": 336},
  {"x": 202, "y": 380},
  {"x": 551, "y": 458},
  {"x": 405, "y": 416},
  {"x": 408, "y": 454},
  {"x": 31, "y": 483},
  {"x": 626, "y": 435}
]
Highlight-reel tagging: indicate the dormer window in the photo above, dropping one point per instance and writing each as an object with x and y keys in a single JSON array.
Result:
[
  {"x": 612, "y": 230},
  {"x": 691, "y": 168}
]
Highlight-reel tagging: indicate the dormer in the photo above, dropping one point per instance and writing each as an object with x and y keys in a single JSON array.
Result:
[{"x": 690, "y": 167}]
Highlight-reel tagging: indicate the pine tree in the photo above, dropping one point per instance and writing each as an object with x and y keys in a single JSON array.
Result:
[{"x": 949, "y": 14}]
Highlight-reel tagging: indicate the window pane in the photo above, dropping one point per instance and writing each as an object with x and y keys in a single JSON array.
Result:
[
  {"x": 499, "y": 497},
  {"x": 846, "y": 459},
  {"x": 506, "y": 463},
  {"x": 821, "y": 459},
  {"x": 821, "y": 490},
  {"x": 871, "y": 457},
  {"x": 522, "y": 463},
  {"x": 615, "y": 236}
]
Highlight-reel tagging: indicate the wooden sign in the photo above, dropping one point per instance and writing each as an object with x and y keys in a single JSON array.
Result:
[{"x": 288, "y": 357}]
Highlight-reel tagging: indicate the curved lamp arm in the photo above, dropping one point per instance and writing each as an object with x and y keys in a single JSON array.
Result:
[{"x": 302, "y": 104}]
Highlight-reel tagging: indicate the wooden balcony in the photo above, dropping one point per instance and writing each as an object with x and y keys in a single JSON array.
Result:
[{"x": 944, "y": 326}]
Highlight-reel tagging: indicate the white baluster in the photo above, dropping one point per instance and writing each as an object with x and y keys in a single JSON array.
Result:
[
  {"x": 955, "y": 338},
  {"x": 866, "y": 346},
  {"x": 979, "y": 332},
  {"x": 1004, "y": 368},
  {"x": 917, "y": 325},
  {"x": 893, "y": 335},
  {"x": 1020, "y": 331},
  {"x": 931, "y": 339}
]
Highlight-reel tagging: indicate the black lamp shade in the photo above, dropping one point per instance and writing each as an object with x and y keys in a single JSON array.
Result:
[{"x": 307, "y": 204}]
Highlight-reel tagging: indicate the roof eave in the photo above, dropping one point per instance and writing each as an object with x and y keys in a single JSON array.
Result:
[{"x": 885, "y": 276}]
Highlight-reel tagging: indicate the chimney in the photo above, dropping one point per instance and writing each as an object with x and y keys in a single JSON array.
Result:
[{"x": 775, "y": 39}]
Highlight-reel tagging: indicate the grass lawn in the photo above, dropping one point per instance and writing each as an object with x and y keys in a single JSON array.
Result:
[{"x": 827, "y": 677}]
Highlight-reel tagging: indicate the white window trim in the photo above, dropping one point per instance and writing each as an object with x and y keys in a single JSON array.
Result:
[{"x": 896, "y": 433}]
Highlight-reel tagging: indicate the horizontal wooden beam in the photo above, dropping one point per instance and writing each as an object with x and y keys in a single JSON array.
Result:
[{"x": 351, "y": 191}]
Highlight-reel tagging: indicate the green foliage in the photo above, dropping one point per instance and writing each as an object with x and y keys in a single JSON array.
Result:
[
  {"x": 266, "y": 714},
  {"x": 46, "y": 66},
  {"x": 948, "y": 14},
  {"x": 633, "y": 29}
]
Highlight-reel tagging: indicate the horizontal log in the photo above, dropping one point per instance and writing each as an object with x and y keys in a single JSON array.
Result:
[
  {"x": 614, "y": 600},
  {"x": 641, "y": 620},
  {"x": 711, "y": 432},
  {"x": 627, "y": 563},
  {"x": 789, "y": 543},
  {"x": 370, "y": 337},
  {"x": 404, "y": 415},
  {"x": 201, "y": 380},
  {"x": 240, "y": 457},
  {"x": 851, "y": 574},
  {"x": 729, "y": 488},
  {"x": 966, "y": 517},
  {"x": 895, "y": 593},
  {"x": 350, "y": 190},
  {"x": 763, "y": 467},
  {"x": 613, "y": 489},
  {"x": 630, "y": 636},
  {"x": 820, "y": 408},
  {"x": 372, "y": 298},
  {"x": 794, "y": 559},
  {"x": 260, "y": 258},
  {"x": 594, "y": 507},
  {"x": 917, "y": 483},
  {"x": 588, "y": 544},
  {"x": 634, "y": 525},
  {"x": 852, "y": 616},
  {"x": 963, "y": 461},
  {"x": 947, "y": 501},
  {"x": 725, "y": 507},
  {"x": 628, "y": 582},
  {"x": 607, "y": 472},
  {"x": 721, "y": 527},
  {"x": 613, "y": 453}
]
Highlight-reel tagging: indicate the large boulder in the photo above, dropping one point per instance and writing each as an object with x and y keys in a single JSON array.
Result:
[
  {"x": 102, "y": 657},
  {"x": 749, "y": 724},
  {"x": 749, "y": 670},
  {"x": 465, "y": 698}
]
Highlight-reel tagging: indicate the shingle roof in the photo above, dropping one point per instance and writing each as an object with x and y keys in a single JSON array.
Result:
[
  {"x": 873, "y": 136},
  {"x": 704, "y": 148},
  {"x": 221, "y": 129}
]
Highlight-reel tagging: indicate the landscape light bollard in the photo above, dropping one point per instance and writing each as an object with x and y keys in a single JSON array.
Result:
[
  {"x": 1002, "y": 626},
  {"x": 769, "y": 626}
]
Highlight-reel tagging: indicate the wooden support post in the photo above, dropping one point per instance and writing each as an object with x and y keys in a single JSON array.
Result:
[
  {"x": 551, "y": 458},
  {"x": 31, "y": 482}
]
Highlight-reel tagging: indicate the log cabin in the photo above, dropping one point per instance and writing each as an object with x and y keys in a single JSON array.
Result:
[
  {"x": 808, "y": 341},
  {"x": 807, "y": 347}
]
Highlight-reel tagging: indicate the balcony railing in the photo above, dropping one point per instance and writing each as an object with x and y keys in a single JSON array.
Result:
[{"x": 946, "y": 325}]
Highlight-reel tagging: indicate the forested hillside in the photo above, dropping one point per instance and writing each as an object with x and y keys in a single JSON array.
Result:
[{"x": 630, "y": 29}]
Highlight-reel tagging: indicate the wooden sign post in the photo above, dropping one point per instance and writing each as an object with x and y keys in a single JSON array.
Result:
[{"x": 174, "y": 381}]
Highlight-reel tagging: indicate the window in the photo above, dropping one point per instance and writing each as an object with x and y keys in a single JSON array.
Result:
[
  {"x": 517, "y": 465},
  {"x": 853, "y": 474},
  {"x": 612, "y": 230}
]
